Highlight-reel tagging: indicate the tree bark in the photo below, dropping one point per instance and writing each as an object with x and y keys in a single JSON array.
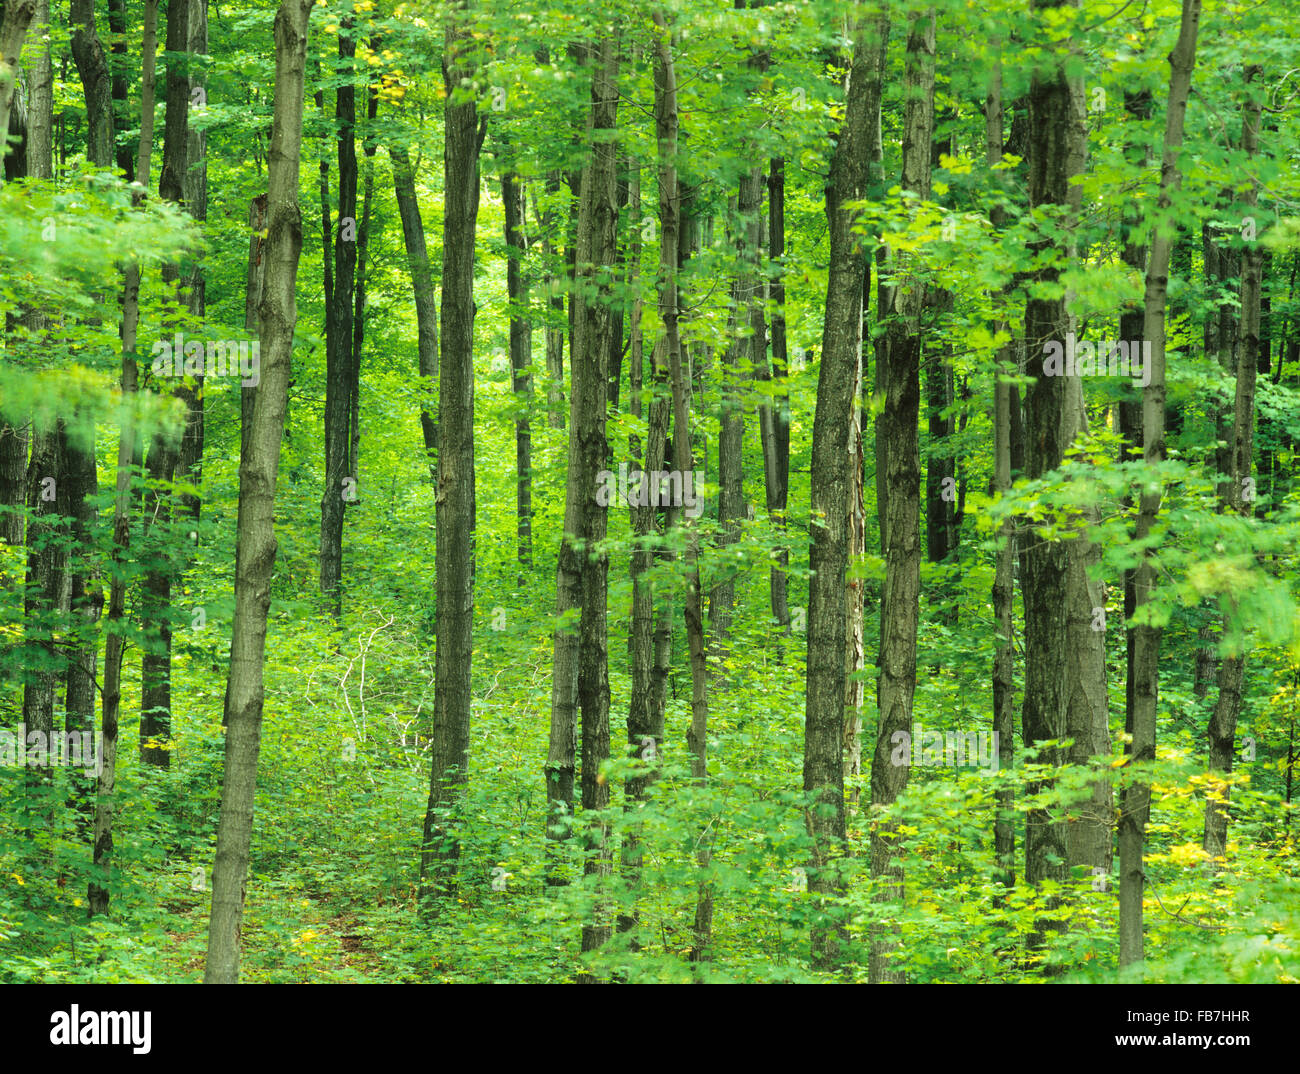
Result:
[
  {"x": 901, "y": 471},
  {"x": 256, "y": 546},
  {"x": 1136, "y": 798},
  {"x": 340, "y": 385},
  {"x": 1052, "y": 160},
  {"x": 521, "y": 347},
  {"x": 1223, "y": 724},
  {"x": 455, "y": 495},
  {"x": 823, "y": 768},
  {"x": 115, "y": 641},
  {"x": 17, "y": 16},
  {"x": 426, "y": 309}
]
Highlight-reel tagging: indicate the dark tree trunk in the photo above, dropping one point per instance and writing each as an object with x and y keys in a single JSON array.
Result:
[
  {"x": 426, "y": 309},
  {"x": 521, "y": 348},
  {"x": 900, "y": 469},
  {"x": 455, "y": 497},
  {"x": 340, "y": 485},
  {"x": 1043, "y": 564}
]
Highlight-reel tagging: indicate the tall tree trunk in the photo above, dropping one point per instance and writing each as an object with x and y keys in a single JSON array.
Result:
[
  {"x": 1223, "y": 724},
  {"x": 1135, "y": 804},
  {"x": 256, "y": 545},
  {"x": 898, "y": 441},
  {"x": 596, "y": 254},
  {"x": 553, "y": 287},
  {"x": 455, "y": 497},
  {"x": 731, "y": 433},
  {"x": 521, "y": 357},
  {"x": 369, "y": 148},
  {"x": 774, "y": 417},
  {"x": 1052, "y": 159},
  {"x": 115, "y": 641},
  {"x": 164, "y": 453},
  {"x": 426, "y": 309},
  {"x": 340, "y": 485},
  {"x": 194, "y": 189},
  {"x": 1004, "y": 827},
  {"x": 823, "y": 769}
]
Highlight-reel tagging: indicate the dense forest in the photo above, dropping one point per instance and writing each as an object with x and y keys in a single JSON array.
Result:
[{"x": 617, "y": 491}]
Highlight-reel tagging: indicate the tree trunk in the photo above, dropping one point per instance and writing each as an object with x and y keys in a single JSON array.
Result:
[
  {"x": 1004, "y": 701},
  {"x": 426, "y": 309},
  {"x": 521, "y": 357},
  {"x": 901, "y": 471},
  {"x": 1223, "y": 724},
  {"x": 115, "y": 641},
  {"x": 256, "y": 545},
  {"x": 597, "y": 252},
  {"x": 823, "y": 768},
  {"x": 340, "y": 485},
  {"x": 1135, "y": 804},
  {"x": 1052, "y": 159},
  {"x": 455, "y": 496},
  {"x": 17, "y": 16},
  {"x": 774, "y": 417}
]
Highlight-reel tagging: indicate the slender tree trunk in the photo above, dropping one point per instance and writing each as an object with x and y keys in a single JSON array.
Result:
[
  {"x": 521, "y": 347},
  {"x": 426, "y": 309},
  {"x": 823, "y": 768},
  {"x": 256, "y": 545},
  {"x": 774, "y": 417},
  {"x": 455, "y": 495},
  {"x": 165, "y": 454},
  {"x": 731, "y": 432},
  {"x": 340, "y": 485},
  {"x": 1223, "y": 724},
  {"x": 1004, "y": 827},
  {"x": 1136, "y": 800},
  {"x": 115, "y": 641}
]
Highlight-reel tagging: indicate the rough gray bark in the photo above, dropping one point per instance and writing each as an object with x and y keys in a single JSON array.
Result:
[
  {"x": 1136, "y": 800},
  {"x": 256, "y": 545},
  {"x": 455, "y": 496}
]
